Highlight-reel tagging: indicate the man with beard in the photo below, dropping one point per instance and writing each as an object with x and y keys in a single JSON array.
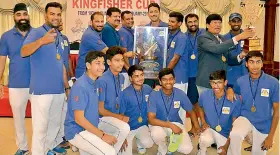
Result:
[
  {"x": 234, "y": 72},
  {"x": 110, "y": 35},
  {"x": 259, "y": 108},
  {"x": 133, "y": 103},
  {"x": 154, "y": 13},
  {"x": 177, "y": 54},
  {"x": 48, "y": 81},
  {"x": 19, "y": 75},
  {"x": 91, "y": 40}
]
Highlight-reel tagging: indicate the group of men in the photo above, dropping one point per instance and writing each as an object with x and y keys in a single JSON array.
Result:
[{"x": 109, "y": 105}]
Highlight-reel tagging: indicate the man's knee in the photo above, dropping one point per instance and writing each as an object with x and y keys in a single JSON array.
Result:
[
  {"x": 147, "y": 142},
  {"x": 186, "y": 149},
  {"x": 110, "y": 151},
  {"x": 205, "y": 142},
  {"x": 158, "y": 135},
  {"x": 124, "y": 128}
]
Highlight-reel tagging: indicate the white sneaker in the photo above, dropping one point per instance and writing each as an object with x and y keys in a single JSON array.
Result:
[{"x": 141, "y": 150}]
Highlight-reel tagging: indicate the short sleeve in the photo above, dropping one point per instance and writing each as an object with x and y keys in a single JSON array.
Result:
[
  {"x": 4, "y": 50},
  {"x": 237, "y": 109},
  {"x": 200, "y": 99},
  {"x": 32, "y": 36},
  {"x": 123, "y": 102},
  {"x": 94, "y": 42},
  {"x": 186, "y": 103},
  {"x": 180, "y": 46},
  {"x": 79, "y": 98},
  {"x": 101, "y": 84},
  {"x": 152, "y": 104},
  {"x": 236, "y": 88},
  {"x": 275, "y": 93},
  {"x": 107, "y": 36}
]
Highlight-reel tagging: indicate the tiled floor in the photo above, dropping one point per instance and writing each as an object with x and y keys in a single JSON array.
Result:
[{"x": 8, "y": 144}]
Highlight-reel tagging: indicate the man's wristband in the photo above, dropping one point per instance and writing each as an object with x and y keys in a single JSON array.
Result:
[{"x": 67, "y": 88}]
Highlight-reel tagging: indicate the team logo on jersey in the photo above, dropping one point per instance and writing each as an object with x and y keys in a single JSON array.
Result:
[
  {"x": 146, "y": 98},
  {"x": 226, "y": 110},
  {"x": 99, "y": 41},
  {"x": 176, "y": 104},
  {"x": 65, "y": 43},
  {"x": 76, "y": 98},
  {"x": 265, "y": 92}
]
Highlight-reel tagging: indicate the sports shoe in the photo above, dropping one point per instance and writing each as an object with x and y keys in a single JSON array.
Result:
[
  {"x": 59, "y": 150},
  {"x": 22, "y": 152},
  {"x": 174, "y": 142},
  {"x": 141, "y": 150},
  {"x": 169, "y": 153},
  {"x": 64, "y": 144},
  {"x": 50, "y": 152}
]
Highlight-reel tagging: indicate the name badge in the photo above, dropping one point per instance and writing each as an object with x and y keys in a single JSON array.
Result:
[
  {"x": 172, "y": 44},
  {"x": 146, "y": 98},
  {"x": 226, "y": 110},
  {"x": 265, "y": 92},
  {"x": 65, "y": 43},
  {"x": 176, "y": 104}
]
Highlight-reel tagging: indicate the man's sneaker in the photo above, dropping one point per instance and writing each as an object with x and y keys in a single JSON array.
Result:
[
  {"x": 50, "y": 152},
  {"x": 64, "y": 144},
  {"x": 59, "y": 150},
  {"x": 169, "y": 153},
  {"x": 141, "y": 150},
  {"x": 22, "y": 152}
]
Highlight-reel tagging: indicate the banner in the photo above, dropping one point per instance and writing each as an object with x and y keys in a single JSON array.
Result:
[{"x": 78, "y": 13}]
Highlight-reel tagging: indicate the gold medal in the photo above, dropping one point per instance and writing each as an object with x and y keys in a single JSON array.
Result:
[
  {"x": 193, "y": 56},
  {"x": 253, "y": 108},
  {"x": 218, "y": 128},
  {"x": 140, "y": 119},
  {"x": 224, "y": 59},
  {"x": 57, "y": 56}
]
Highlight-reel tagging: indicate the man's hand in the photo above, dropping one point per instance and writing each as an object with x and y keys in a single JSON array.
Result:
[
  {"x": 222, "y": 150},
  {"x": 267, "y": 143},
  {"x": 125, "y": 119},
  {"x": 49, "y": 37},
  {"x": 109, "y": 139},
  {"x": 248, "y": 33},
  {"x": 230, "y": 95},
  {"x": 124, "y": 146},
  {"x": 157, "y": 88},
  {"x": 204, "y": 127},
  {"x": 130, "y": 54},
  {"x": 67, "y": 93},
  {"x": 1, "y": 91},
  {"x": 175, "y": 129}
]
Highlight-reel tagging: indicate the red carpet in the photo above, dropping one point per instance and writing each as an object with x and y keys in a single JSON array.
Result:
[{"x": 5, "y": 107}]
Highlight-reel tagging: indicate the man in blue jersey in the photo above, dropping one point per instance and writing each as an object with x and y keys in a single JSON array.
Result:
[
  {"x": 260, "y": 107},
  {"x": 134, "y": 103},
  {"x": 48, "y": 83},
  {"x": 19, "y": 72},
  {"x": 163, "y": 114},
  {"x": 217, "y": 114},
  {"x": 154, "y": 14}
]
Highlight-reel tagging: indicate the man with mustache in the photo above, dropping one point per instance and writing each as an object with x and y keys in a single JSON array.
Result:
[
  {"x": 91, "y": 40},
  {"x": 19, "y": 72},
  {"x": 48, "y": 83},
  {"x": 234, "y": 72},
  {"x": 213, "y": 50}
]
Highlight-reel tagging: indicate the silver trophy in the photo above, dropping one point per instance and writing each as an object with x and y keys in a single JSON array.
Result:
[{"x": 151, "y": 45}]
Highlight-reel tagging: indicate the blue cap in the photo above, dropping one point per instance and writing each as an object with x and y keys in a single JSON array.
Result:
[{"x": 235, "y": 15}]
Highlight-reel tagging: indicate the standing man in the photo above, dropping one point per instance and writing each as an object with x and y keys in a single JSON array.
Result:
[
  {"x": 111, "y": 85},
  {"x": 154, "y": 13},
  {"x": 163, "y": 114},
  {"x": 234, "y": 72},
  {"x": 82, "y": 120},
  {"x": 91, "y": 40},
  {"x": 213, "y": 50},
  {"x": 177, "y": 56},
  {"x": 133, "y": 103},
  {"x": 48, "y": 81},
  {"x": 19, "y": 76},
  {"x": 260, "y": 107},
  {"x": 110, "y": 35},
  {"x": 217, "y": 115}
]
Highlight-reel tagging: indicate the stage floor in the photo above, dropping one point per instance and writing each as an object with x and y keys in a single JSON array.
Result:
[{"x": 8, "y": 144}]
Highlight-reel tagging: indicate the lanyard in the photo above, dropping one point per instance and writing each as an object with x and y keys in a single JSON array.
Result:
[
  {"x": 254, "y": 95},
  {"x": 118, "y": 83},
  {"x": 165, "y": 104},
  {"x": 194, "y": 44},
  {"x": 139, "y": 103},
  {"x": 169, "y": 43},
  {"x": 218, "y": 114}
]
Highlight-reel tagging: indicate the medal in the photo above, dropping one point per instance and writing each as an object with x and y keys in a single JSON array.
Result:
[
  {"x": 193, "y": 56},
  {"x": 224, "y": 59},
  {"x": 218, "y": 128},
  {"x": 253, "y": 108},
  {"x": 140, "y": 119},
  {"x": 57, "y": 56}
]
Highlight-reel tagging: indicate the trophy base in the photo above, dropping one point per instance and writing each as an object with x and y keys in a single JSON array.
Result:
[
  {"x": 151, "y": 69},
  {"x": 252, "y": 48},
  {"x": 149, "y": 58},
  {"x": 252, "y": 44}
]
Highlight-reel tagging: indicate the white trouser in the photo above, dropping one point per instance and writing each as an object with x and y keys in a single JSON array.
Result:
[
  {"x": 159, "y": 134},
  {"x": 143, "y": 139},
  {"x": 46, "y": 120},
  {"x": 208, "y": 137},
  {"x": 241, "y": 128},
  {"x": 126, "y": 80},
  {"x": 18, "y": 100},
  {"x": 182, "y": 86},
  {"x": 63, "y": 116},
  {"x": 90, "y": 144},
  {"x": 115, "y": 127}
]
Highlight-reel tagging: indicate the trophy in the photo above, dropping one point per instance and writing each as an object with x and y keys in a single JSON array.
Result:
[
  {"x": 251, "y": 10},
  {"x": 150, "y": 43}
]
